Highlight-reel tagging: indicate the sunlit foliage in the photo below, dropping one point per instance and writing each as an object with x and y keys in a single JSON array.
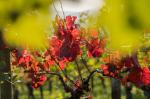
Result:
[
  {"x": 25, "y": 22},
  {"x": 125, "y": 22}
]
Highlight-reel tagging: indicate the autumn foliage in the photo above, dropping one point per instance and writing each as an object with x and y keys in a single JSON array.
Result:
[{"x": 66, "y": 45}]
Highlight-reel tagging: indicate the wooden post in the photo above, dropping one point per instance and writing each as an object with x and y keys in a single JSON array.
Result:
[
  {"x": 4, "y": 67},
  {"x": 115, "y": 89},
  {"x": 147, "y": 92},
  {"x": 128, "y": 89}
]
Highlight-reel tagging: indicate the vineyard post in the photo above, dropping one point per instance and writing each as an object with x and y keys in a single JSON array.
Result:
[
  {"x": 115, "y": 89},
  {"x": 5, "y": 70}
]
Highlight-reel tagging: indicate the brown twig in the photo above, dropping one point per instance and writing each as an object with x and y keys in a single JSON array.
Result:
[
  {"x": 78, "y": 69},
  {"x": 85, "y": 64}
]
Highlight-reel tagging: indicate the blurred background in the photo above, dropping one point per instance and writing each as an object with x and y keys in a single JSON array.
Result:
[{"x": 28, "y": 24}]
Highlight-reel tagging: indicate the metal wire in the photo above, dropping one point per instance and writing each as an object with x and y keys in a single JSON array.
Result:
[
  {"x": 62, "y": 8},
  {"x": 55, "y": 7}
]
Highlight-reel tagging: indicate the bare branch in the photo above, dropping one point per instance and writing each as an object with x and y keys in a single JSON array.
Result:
[
  {"x": 79, "y": 71},
  {"x": 66, "y": 87}
]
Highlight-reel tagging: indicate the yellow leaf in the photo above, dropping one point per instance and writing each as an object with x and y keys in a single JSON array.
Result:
[{"x": 29, "y": 31}]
